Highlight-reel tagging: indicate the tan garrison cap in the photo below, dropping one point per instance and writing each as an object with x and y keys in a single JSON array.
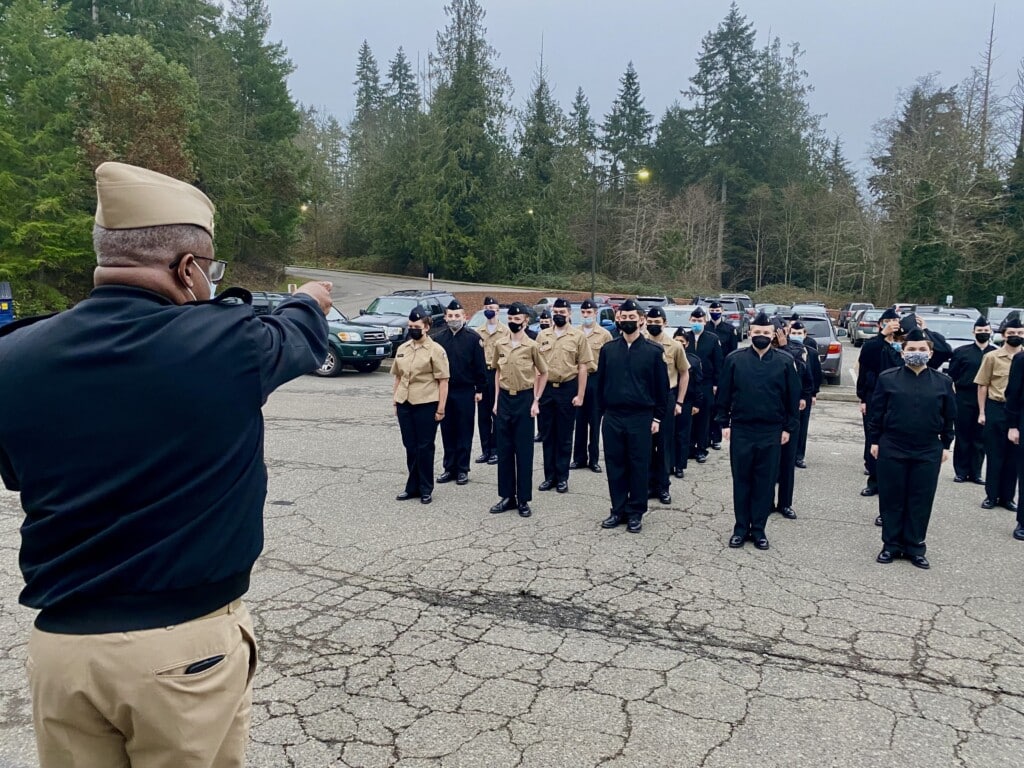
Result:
[{"x": 129, "y": 197}]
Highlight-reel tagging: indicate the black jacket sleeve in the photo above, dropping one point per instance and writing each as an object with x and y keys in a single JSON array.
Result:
[
  {"x": 941, "y": 351},
  {"x": 723, "y": 401},
  {"x": 866, "y": 371},
  {"x": 948, "y": 415},
  {"x": 958, "y": 364},
  {"x": 292, "y": 341},
  {"x": 793, "y": 392},
  {"x": 660, "y": 375},
  {"x": 1015, "y": 393},
  {"x": 479, "y": 365},
  {"x": 717, "y": 362},
  {"x": 601, "y": 380},
  {"x": 814, "y": 364},
  {"x": 876, "y": 413}
]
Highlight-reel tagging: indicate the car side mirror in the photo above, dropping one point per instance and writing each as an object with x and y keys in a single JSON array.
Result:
[
  {"x": 841, "y": 333},
  {"x": 362, "y": 311}
]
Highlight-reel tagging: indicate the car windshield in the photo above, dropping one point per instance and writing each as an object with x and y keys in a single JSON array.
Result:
[
  {"x": 391, "y": 305},
  {"x": 728, "y": 305},
  {"x": 818, "y": 327},
  {"x": 335, "y": 315},
  {"x": 678, "y": 315},
  {"x": 960, "y": 329},
  {"x": 871, "y": 316}
]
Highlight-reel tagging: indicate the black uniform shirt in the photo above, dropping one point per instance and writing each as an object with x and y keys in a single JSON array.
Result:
[
  {"x": 726, "y": 336},
  {"x": 803, "y": 370},
  {"x": 759, "y": 392},
  {"x": 1015, "y": 393},
  {"x": 133, "y": 428},
  {"x": 942, "y": 352},
  {"x": 964, "y": 367},
  {"x": 632, "y": 377},
  {"x": 913, "y": 412},
  {"x": 876, "y": 355},
  {"x": 694, "y": 395},
  {"x": 708, "y": 348},
  {"x": 466, "y": 362}
]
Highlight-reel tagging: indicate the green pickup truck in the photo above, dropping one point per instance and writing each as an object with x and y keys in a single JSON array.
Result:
[{"x": 361, "y": 347}]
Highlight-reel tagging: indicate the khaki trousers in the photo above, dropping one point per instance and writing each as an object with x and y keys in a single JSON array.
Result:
[{"x": 123, "y": 699}]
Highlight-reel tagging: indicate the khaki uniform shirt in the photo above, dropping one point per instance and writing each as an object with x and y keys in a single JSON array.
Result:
[
  {"x": 488, "y": 340},
  {"x": 995, "y": 373},
  {"x": 564, "y": 354},
  {"x": 673, "y": 354},
  {"x": 418, "y": 367},
  {"x": 515, "y": 365},
  {"x": 597, "y": 338}
]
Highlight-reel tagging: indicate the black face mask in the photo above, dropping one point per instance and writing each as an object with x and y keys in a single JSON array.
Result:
[
  {"x": 983, "y": 337},
  {"x": 560, "y": 320},
  {"x": 628, "y": 327},
  {"x": 515, "y": 327},
  {"x": 761, "y": 342},
  {"x": 654, "y": 330},
  {"x": 1014, "y": 341},
  {"x": 544, "y": 325},
  {"x": 415, "y": 333}
]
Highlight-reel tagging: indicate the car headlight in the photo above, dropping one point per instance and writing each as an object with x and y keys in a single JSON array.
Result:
[
  {"x": 395, "y": 331},
  {"x": 344, "y": 336}
]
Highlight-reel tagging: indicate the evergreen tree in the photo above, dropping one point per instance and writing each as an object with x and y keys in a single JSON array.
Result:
[
  {"x": 401, "y": 95},
  {"x": 581, "y": 130},
  {"x": 626, "y": 130}
]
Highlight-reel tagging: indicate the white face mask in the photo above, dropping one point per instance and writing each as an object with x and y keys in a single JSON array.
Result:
[{"x": 213, "y": 286}]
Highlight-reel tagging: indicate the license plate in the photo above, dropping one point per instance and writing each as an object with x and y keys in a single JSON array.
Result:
[{"x": 380, "y": 350}]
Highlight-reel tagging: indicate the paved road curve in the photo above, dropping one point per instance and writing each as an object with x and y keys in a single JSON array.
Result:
[{"x": 402, "y": 635}]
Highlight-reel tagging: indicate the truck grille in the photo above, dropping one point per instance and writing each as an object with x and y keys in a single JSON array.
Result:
[{"x": 374, "y": 336}]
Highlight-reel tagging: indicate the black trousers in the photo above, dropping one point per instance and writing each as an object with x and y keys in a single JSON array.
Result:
[
  {"x": 457, "y": 429},
  {"x": 557, "y": 419},
  {"x": 1020, "y": 479},
  {"x": 627, "y": 457},
  {"x": 514, "y": 437},
  {"x": 787, "y": 473},
  {"x": 805, "y": 425},
  {"x": 663, "y": 448},
  {"x": 684, "y": 427},
  {"x": 754, "y": 456},
  {"x": 485, "y": 418},
  {"x": 587, "y": 446},
  {"x": 969, "y": 446},
  {"x": 906, "y": 491},
  {"x": 714, "y": 429},
  {"x": 419, "y": 433},
  {"x": 1001, "y": 475},
  {"x": 870, "y": 464},
  {"x": 701, "y": 432}
]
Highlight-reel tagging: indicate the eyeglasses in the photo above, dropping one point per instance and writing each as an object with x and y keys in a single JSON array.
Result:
[{"x": 217, "y": 267}]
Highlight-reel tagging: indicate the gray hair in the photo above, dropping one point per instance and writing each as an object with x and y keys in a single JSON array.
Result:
[{"x": 149, "y": 246}]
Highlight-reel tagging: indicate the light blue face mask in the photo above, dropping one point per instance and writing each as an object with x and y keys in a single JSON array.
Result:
[
  {"x": 797, "y": 339},
  {"x": 589, "y": 321},
  {"x": 897, "y": 345},
  {"x": 696, "y": 327}
]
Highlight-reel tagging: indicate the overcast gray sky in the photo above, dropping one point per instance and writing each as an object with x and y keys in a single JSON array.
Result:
[{"x": 859, "y": 53}]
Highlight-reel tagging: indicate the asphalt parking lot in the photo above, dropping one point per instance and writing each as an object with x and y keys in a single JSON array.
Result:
[{"x": 396, "y": 634}]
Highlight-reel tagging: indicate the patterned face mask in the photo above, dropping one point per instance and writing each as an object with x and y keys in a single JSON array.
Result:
[{"x": 916, "y": 359}]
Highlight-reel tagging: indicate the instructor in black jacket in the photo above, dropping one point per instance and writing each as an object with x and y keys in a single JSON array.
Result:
[
  {"x": 969, "y": 448},
  {"x": 878, "y": 354},
  {"x": 759, "y": 411},
  {"x": 136, "y": 441},
  {"x": 468, "y": 379}
]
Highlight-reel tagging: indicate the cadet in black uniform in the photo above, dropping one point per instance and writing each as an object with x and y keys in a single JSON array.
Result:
[
  {"x": 707, "y": 347},
  {"x": 465, "y": 351},
  {"x": 787, "y": 456},
  {"x": 632, "y": 395},
  {"x": 586, "y": 445},
  {"x": 969, "y": 448},
  {"x": 913, "y": 410},
  {"x": 1015, "y": 423},
  {"x": 693, "y": 403},
  {"x": 521, "y": 377},
  {"x": 133, "y": 429},
  {"x": 490, "y": 333},
  {"x": 730, "y": 340},
  {"x": 421, "y": 393},
  {"x": 798, "y": 337},
  {"x": 878, "y": 354},
  {"x": 759, "y": 409}
]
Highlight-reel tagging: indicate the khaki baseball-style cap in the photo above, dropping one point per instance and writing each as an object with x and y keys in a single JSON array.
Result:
[{"x": 129, "y": 197}]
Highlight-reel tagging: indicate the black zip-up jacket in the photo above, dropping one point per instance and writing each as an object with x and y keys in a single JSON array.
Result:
[
  {"x": 941, "y": 350},
  {"x": 803, "y": 369},
  {"x": 632, "y": 378},
  {"x": 913, "y": 412},
  {"x": 465, "y": 358},
  {"x": 708, "y": 348},
  {"x": 964, "y": 367},
  {"x": 133, "y": 429},
  {"x": 876, "y": 355},
  {"x": 726, "y": 336},
  {"x": 761, "y": 393},
  {"x": 694, "y": 392},
  {"x": 1015, "y": 393}
]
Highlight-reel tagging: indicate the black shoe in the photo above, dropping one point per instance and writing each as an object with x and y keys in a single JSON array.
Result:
[
  {"x": 988, "y": 503},
  {"x": 701, "y": 458},
  {"x": 801, "y": 464},
  {"x": 1018, "y": 533},
  {"x": 1008, "y": 505},
  {"x": 869, "y": 491},
  {"x": 577, "y": 464},
  {"x": 679, "y": 474},
  {"x": 504, "y": 505},
  {"x": 405, "y": 496},
  {"x": 716, "y": 446},
  {"x": 524, "y": 510},
  {"x": 446, "y": 477},
  {"x": 959, "y": 479},
  {"x": 878, "y": 521},
  {"x": 612, "y": 521},
  {"x": 634, "y": 525},
  {"x": 492, "y": 459},
  {"x": 547, "y": 485},
  {"x": 920, "y": 561},
  {"x": 595, "y": 468},
  {"x": 884, "y": 557},
  {"x": 737, "y": 541},
  {"x": 761, "y": 542},
  {"x": 562, "y": 487},
  {"x": 462, "y": 478},
  {"x": 665, "y": 497},
  {"x": 426, "y": 498},
  {"x": 978, "y": 481},
  {"x": 788, "y": 513},
  {"x": 481, "y": 459},
  {"x": 866, "y": 473}
]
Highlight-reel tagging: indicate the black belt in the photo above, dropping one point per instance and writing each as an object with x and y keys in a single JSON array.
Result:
[
  {"x": 515, "y": 392},
  {"x": 557, "y": 384}
]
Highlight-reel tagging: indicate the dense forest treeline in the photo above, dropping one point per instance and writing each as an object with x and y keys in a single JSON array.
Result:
[{"x": 736, "y": 185}]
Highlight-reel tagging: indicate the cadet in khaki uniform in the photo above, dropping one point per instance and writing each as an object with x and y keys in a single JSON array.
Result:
[
  {"x": 491, "y": 333},
  {"x": 567, "y": 354},
  {"x": 992, "y": 378},
  {"x": 586, "y": 449},
  {"x": 421, "y": 391},
  {"x": 663, "y": 443},
  {"x": 520, "y": 378}
]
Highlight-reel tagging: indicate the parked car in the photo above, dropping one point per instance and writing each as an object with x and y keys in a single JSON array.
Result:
[
  {"x": 6, "y": 304},
  {"x": 830, "y": 347},
  {"x": 996, "y": 317},
  {"x": 646, "y": 302},
  {"x": 678, "y": 315},
  {"x": 848, "y": 311},
  {"x": 361, "y": 347},
  {"x": 863, "y": 325},
  {"x": 928, "y": 310},
  {"x": 392, "y": 312},
  {"x": 479, "y": 319},
  {"x": 734, "y": 310},
  {"x": 782, "y": 310},
  {"x": 809, "y": 309},
  {"x": 957, "y": 330}
]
